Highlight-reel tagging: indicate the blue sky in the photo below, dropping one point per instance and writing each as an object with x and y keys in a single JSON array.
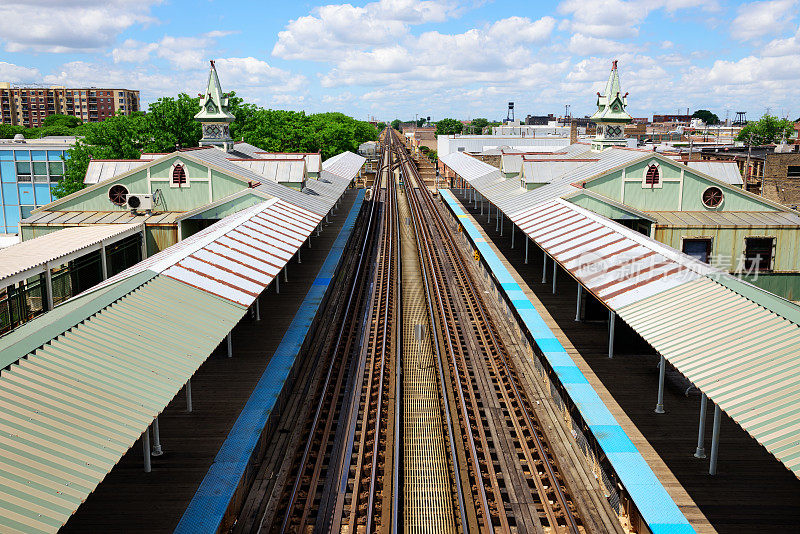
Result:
[{"x": 398, "y": 58}]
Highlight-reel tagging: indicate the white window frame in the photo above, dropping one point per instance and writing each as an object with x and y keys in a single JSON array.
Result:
[{"x": 172, "y": 184}]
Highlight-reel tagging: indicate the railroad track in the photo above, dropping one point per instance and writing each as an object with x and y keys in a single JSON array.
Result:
[
  {"x": 340, "y": 476},
  {"x": 511, "y": 475}
]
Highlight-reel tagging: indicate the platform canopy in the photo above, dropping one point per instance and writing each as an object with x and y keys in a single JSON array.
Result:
[
  {"x": 80, "y": 384},
  {"x": 735, "y": 342},
  {"x": 29, "y": 258}
]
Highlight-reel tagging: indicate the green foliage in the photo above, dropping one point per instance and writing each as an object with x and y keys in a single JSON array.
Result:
[
  {"x": 479, "y": 124},
  {"x": 381, "y": 126},
  {"x": 706, "y": 116},
  {"x": 420, "y": 122},
  {"x": 448, "y": 127},
  {"x": 64, "y": 121},
  {"x": 396, "y": 125},
  {"x": 766, "y": 130},
  {"x": 169, "y": 124},
  {"x": 433, "y": 156}
]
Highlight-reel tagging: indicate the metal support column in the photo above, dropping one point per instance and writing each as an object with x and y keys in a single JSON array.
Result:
[
  {"x": 103, "y": 263},
  {"x": 146, "y": 450},
  {"x": 555, "y": 272},
  {"x": 157, "y": 451},
  {"x": 189, "y": 396},
  {"x": 258, "y": 308},
  {"x": 502, "y": 219},
  {"x": 578, "y": 303},
  {"x": 144, "y": 244},
  {"x": 662, "y": 369},
  {"x": 513, "y": 227},
  {"x": 527, "y": 241},
  {"x": 286, "y": 273},
  {"x": 544, "y": 267},
  {"x": 700, "y": 452},
  {"x": 278, "y": 284},
  {"x": 712, "y": 466},
  {"x": 298, "y": 255},
  {"x": 229, "y": 338},
  {"x": 611, "y": 319},
  {"x": 48, "y": 281}
]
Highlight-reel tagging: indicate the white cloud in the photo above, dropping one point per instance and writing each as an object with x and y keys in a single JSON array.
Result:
[
  {"x": 758, "y": 19},
  {"x": 783, "y": 47},
  {"x": 582, "y": 45},
  {"x": 15, "y": 73},
  {"x": 68, "y": 25},
  {"x": 249, "y": 72},
  {"x": 183, "y": 53},
  {"x": 522, "y": 29},
  {"x": 132, "y": 51},
  {"x": 335, "y": 29}
]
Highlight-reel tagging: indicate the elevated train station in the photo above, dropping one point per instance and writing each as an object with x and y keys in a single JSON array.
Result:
[{"x": 278, "y": 350}]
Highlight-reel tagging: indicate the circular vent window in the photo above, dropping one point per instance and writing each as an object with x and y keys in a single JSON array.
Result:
[
  {"x": 118, "y": 194},
  {"x": 712, "y": 197}
]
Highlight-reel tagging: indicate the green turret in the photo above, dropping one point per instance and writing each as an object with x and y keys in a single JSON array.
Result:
[
  {"x": 611, "y": 116},
  {"x": 214, "y": 114}
]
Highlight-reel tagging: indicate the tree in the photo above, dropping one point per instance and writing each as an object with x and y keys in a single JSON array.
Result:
[
  {"x": 64, "y": 121},
  {"x": 396, "y": 125},
  {"x": 766, "y": 130},
  {"x": 381, "y": 126},
  {"x": 448, "y": 127},
  {"x": 170, "y": 124},
  {"x": 479, "y": 124},
  {"x": 706, "y": 116},
  {"x": 420, "y": 122}
]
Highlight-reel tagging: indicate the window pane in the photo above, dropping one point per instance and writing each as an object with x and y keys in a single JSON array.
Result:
[
  {"x": 793, "y": 171},
  {"x": 39, "y": 155},
  {"x": 10, "y": 194},
  {"x": 12, "y": 219},
  {"x": 6, "y": 155},
  {"x": 26, "y": 211},
  {"x": 22, "y": 155},
  {"x": 56, "y": 167},
  {"x": 25, "y": 193},
  {"x": 23, "y": 167},
  {"x": 40, "y": 168},
  {"x": 758, "y": 253},
  {"x": 54, "y": 155},
  {"x": 7, "y": 171},
  {"x": 697, "y": 248}
]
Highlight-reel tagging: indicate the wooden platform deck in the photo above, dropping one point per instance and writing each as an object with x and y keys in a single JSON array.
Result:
[
  {"x": 752, "y": 491},
  {"x": 130, "y": 500}
]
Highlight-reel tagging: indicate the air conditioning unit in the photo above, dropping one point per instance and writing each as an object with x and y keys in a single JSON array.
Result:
[{"x": 140, "y": 201}]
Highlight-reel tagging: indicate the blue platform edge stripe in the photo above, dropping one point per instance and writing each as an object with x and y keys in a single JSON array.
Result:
[
  {"x": 655, "y": 505},
  {"x": 210, "y": 502}
]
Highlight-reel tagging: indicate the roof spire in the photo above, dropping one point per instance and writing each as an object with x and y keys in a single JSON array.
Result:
[
  {"x": 214, "y": 114},
  {"x": 611, "y": 116}
]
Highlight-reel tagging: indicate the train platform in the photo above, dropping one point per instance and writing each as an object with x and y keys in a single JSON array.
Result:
[
  {"x": 131, "y": 500},
  {"x": 657, "y": 506},
  {"x": 751, "y": 491}
]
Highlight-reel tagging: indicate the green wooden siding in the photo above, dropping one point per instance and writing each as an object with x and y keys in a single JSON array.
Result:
[
  {"x": 729, "y": 242},
  {"x": 602, "y": 208}
]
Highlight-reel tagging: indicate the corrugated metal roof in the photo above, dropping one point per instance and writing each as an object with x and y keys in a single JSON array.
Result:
[
  {"x": 313, "y": 159},
  {"x": 279, "y": 171},
  {"x": 86, "y": 218},
  {"x": 238, "y": 263},
  {"x": 220, "y": 159},
  {"x": 346, "y": 165},
  {"x": 100, "y": 170},
  {"x": 715, "y": 219},
  {"x": 511, "y": 163},
  {"x": 72, "y": 408},
  {"x": 744, "y": 359},
  {"x": 618, "y": 265},
  {"x": 113, "y": 359},
  {"x": 726, "y": 171},
  {"x": 48, "y": 248},
  {"x": 469, "y": 168},
  {"x": 546, "y": 172}
]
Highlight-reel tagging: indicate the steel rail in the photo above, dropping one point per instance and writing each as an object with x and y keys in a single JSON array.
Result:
[{"x": 358, "y": 283}]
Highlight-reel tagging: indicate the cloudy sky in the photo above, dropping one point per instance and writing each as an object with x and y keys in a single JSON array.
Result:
[{"x": 397, "y": 58}]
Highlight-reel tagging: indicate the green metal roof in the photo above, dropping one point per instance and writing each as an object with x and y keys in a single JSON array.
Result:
[{"x": 73, "y": 407}]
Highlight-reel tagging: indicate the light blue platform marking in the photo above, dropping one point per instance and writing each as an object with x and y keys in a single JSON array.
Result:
[
  {"x": 655, "y": 505},
  {"x": 209, "y": 504}
]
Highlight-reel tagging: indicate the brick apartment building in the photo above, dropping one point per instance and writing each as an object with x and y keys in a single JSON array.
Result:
[{"x": 28, "y": 106}]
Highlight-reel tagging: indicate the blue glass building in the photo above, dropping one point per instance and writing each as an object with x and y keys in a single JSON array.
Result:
[{"x": 28, "y": 172}]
